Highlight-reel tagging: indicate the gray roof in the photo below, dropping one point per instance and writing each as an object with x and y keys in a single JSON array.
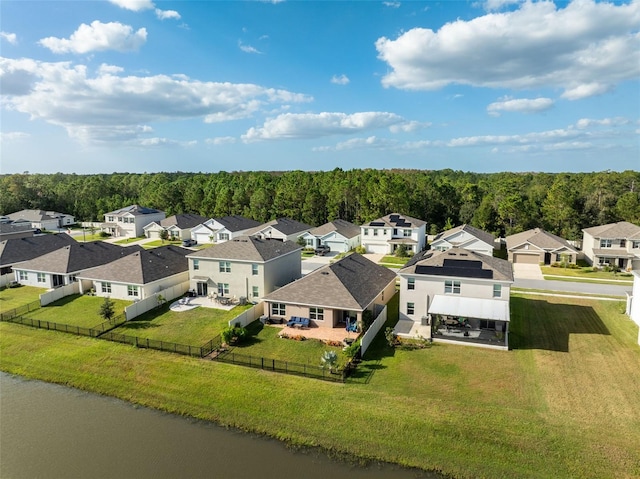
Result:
[
  {"x": 78, "y": 256},
  {"x": 540, "y": 238},
  {"x": 34, "y": 215},
  {"x": 459, "y": 262},
  {"x": 478, "y": 233},
  {"x": 135, "y": 210},
  {"x": 351, "y": 283},
  {"x": 8, "y": 228},
  {"x": 183, "y": 221},
  {"x": 17, "y": 250},
  {"x": 286, "y": 226},
  {"x": 620, "y": 230},
  {"x": 247, "y": 248},
  {"x": 237, "y": 223},
  {"x": 395, "y": 220},
  {"x": 143, "y": 266},
  {"x": 343, "y": 227}
]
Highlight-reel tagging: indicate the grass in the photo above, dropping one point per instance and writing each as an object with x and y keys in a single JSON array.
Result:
[
  {"x": 393, "y": 260},
  {"x": 129, "y": 240},
  {"x": 77, "y": 310},
  {"x": 586, "y": 272},
  {"x": 562, "y": 403},
  {"x": 564, "y": 293},
  {"x": 156, "y": 243},
  {"x": 91, "y": 237},
  {"x": 11, "y": 298},
  {"x": 575, "y": 279}
]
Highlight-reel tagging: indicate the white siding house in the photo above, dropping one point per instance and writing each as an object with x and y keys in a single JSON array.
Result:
[
  {"x": 384, "y": 235},
  {"x": 129, "y": 222}
]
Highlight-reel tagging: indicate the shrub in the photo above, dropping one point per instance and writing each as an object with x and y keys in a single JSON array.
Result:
[
  {"x": 234, "y": 335},
  {"x": 352, "y": 350},
  {"x": 104, "y": 234},
  {"x": 361, "y": 249}
]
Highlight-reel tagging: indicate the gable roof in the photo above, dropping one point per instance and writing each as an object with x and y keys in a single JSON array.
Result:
[
  {"x": 478, "y": 233},
  {"x": 286, "y": 226},
  {"x": 351, "y": 283},
  {"x": 247, "y": 248},
  {"x": 539, "y": 238},
  {"x": 78, "y": 256},
  {"x": 620, "y": 230},
  {"x": 8, "y": 228},
  {"x": 143, "y": 266},
  {"x": 237, "y": 223},
  {"x": 395, "y": 220},
  {"x": 459, "y": 263},
  {"x": 17, "y": 250},
  {"x": 135, "y": 210},
  {"x": 35, "y": 215},
  {"x": 183, "y": 221},
  {"x": 343, "y": 227}
]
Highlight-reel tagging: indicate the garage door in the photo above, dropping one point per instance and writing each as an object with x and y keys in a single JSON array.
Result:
[
  {"x": 526, "y": 258},
  {"x": 377, "y": 248},
  {"x": 336, "y": 246}
]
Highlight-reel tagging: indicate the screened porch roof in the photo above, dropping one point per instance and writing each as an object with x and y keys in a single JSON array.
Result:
[{"x": 460, "y": 306}]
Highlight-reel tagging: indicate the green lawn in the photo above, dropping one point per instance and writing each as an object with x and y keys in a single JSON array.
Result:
[
  {"x": 77, "y": 310},
  {"x": 576, "y": 279},
  {"x": 564, "y": 293},
  {"x": 393, "y": 260},
  {"x": 91, "y": 237},
  {"x": 159, "y": 242},
  {"x": 11, "y": 298},
  {"x": 561, "y": 404},
  {"x": 194, "y": 327},
  {"x": 586, "y": 273},
  {"x": 129, "y": 240}
]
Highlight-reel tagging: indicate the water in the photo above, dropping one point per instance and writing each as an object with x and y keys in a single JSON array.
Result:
[{"x": 50, "y": 431}]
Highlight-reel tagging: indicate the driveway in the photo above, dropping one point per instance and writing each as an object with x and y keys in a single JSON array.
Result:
[
  {"x": 312, "y": 264},
  {"x": 527, "y": 271}
]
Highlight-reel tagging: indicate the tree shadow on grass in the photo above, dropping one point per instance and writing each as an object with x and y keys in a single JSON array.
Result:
[{"x": 538, "y": 324}]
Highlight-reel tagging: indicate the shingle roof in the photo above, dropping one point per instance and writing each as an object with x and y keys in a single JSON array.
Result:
[
  {"x": 135, "y": 210},
  {"x": 34, "y": 215},
  {"x": 343, "y": 227},
  {"x": 285, "y": 226},
  {"x": 247, "y": 248},
  {"x": 183, "y": 221},
  {"x": 459, "y": 262},
  {"x": 351, "y": 283},
  {"x": 17, "y": 250},
  {"x": 540, "y": 238},
  {"x": 8, "y": 228},
  {"x": 396, "y": 220},
  {"x": 143, "y": 266},
  {"x": 237, "y": 223},
  {"x": 620, "y": 230},
  {"x": 78, "y": 256},
  {"x": 478, "y": 233}
]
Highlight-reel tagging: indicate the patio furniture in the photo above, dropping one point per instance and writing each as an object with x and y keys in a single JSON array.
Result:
[{"x": 297, "y": 322}]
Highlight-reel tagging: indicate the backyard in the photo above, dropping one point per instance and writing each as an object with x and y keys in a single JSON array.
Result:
[{"x": 11, "y": 298}]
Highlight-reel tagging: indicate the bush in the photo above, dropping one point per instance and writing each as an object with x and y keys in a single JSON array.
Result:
[
  {"x": 361, "y": 249},
  {"x": 104, "y": 234},
  {"x": 234, "y": 335},
  {"x": 352, "y": 350}
]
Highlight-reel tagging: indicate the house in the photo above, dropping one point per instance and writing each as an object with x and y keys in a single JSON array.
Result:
[
  {"x": 283, "y": 229},
  {"x": 15, "y": 230},
  {"x": 537, "y": 246},
  {"x": 633, "y": 301},
  {"x": 335, "y": 295},
  {"x": 178, "y": 227},
  {"x": 456, "y": 295},
  {"x": 615, "y": 243},
  {"x": 246, "y": 266},
  {"x": 138, "y": 275},
  {"x": 339, "y": 235},
  {"x": 130, "y": 221},
  {"x": 219, "y": 230},
  {"x": 464, "y": 236},
  {"x": 43, "y": 220},
  {"x": 384, "y": 235},
  {"x": 63, "y": 265}
]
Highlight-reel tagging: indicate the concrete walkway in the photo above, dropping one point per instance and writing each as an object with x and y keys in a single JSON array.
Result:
[{"x": 527, "y": 271}]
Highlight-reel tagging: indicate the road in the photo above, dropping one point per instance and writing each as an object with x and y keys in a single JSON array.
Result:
[{"x": 595, "y": 288}]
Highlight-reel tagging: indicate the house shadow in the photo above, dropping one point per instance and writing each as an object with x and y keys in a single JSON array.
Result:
[{"x": 538, "y": 324}]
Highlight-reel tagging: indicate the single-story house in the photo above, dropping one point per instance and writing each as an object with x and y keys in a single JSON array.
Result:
[
  {"x": 138, "y": 275},
  {"x": 467, "y": 237},
  {"x": 386, "y": 234},
  {"x": 224, "y": 228},
  {"x": 537, "y": 246},
  {"x": 283, "y": 229},
  {"x": 44, "y": 220},
  {"x": 18, "y": 250},
  {"x": 15, "y": 230},
  {"x": 339, "y": 235},
  {"x": 614, "y": 243},
  {"x": 130, "y": 221},
  {"x": 178, "y": 227},
  {"x": 335, "y": 295}
]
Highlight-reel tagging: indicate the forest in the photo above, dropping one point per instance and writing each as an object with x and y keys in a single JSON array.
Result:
[{"x": 500, "y": 203}]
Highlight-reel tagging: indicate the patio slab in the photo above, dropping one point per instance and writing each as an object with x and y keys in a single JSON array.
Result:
[{"x": 314, "y": 332}]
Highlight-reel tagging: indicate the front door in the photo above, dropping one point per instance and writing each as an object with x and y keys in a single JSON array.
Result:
[
  {"x": 547, "y": 258},
  {"x": 621, "y": 263},
  {"x": 202, "y": 289}
]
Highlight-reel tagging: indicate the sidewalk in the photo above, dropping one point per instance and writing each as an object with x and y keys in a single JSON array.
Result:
[{"x": 579, "y": 278}]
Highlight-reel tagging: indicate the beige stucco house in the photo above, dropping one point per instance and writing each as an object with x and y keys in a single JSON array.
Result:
[
  {"x": 537, "y": 246},
  {"x": 384, "y": 235},
  {"x": 614, "y": 243}
]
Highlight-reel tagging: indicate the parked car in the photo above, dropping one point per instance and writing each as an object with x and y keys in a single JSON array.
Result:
[
  {"x": 322, "y": 250},
  {"x": 189, "y": 242}
]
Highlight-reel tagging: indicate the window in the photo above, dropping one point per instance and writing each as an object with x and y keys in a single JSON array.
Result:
[
  {"x": 366, "y": 231},
  {"x": 23, "y": 275},
  {"x": 225, "y": 267},
  {"x": 132, "y": 291},
  {"x": 411, "y": 283},
  {"x": 73, "y": 278},
  {"x": 384, "y": 232},
  {"x": 254, "y": 269},
  {"x": 558, "y": 257},
  {"x": 406, "y": 233},
  {"x": 410, "y": 308},
  {"x": 196, "y": 264},
  {"x": 278, "y": 309},
  {"x": 497, "y": 291},
  {"x": 486, "y": 324},
  {"x": 635, "y": 244},
  {"x": 375, "y": 231},
  {"x": 316, "y": 313},
  {"x": 41, "y": 278},
  {"x": 605, "y": 243},
  {"x": 452, "y": 287},
  {"x": 623, "y": 243},
  {"x": 223, "y": 236},
  {"x": 110, "y": 219},
  {"x": 106, "y": 287},
  {"x": 119, "y": 219},
  {"x": 223, "y": 288},
  {"x": 310, "y": 242},
  {"x": 255, "y": 292}
]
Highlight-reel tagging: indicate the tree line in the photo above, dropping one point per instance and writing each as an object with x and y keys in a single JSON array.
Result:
[{"x": 500, "y": 203}]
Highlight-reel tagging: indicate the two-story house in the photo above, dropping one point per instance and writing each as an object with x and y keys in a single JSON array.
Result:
[
  {"x": 456, "y": 295},
  {"x": 339, "y": 235},
  {"x": 247, "y": 266},
  {"x": 615, "y": 243},
  {"x": 224, "y": 228},
  {"x": 386, "y": 234},
  {"x": 130, "y": 221},
  {"x": 537, "y": 246},
  {"x": 178, "y": 227},
  {"x": 464, "y": 236}
]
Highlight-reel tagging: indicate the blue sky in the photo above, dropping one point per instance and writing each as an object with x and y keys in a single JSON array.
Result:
[{"x": 496, "y": 85}]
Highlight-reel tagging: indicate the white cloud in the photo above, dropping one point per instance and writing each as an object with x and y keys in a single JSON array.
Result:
[
  {"x": 340, "y": 80},
  {"x": 493, "y": 5},
  {"x": 98, "y": 37},
  {"x": 221, "y": 140},
  {"x": 10, "y": 136},
  {"x": 134, "y": 5},
  {"x": 520, "y": 105},
  {"x": 109, "y": 107},
  {"x": 10, "y": 37},
  {"x": 317, "y": 125},
  {"x": 248, "y": 48},
  {"x": 409, "y": 126},
  {"x": 167, "y": 14},
  {"x": 538, "y": 45},
  {"x": 391, "y": 4},
  {"x": 105, "y": 69},
  {"x": 587, "y": 122}
]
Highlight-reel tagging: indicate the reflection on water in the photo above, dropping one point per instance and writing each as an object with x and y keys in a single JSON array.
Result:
[{"x": 53, "y": 432}]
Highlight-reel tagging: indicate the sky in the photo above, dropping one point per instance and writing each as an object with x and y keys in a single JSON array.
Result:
[{"x": 206, "y": 86}]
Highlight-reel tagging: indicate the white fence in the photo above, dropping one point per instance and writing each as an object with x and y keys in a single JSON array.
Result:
[
  {"x": 59, "y": 293},
  {"x": 249, "y": 316},
  {"x": 147, "y": 304},
  {"x": 5, "y": 279},
  {"x": 368, "y": 337}
]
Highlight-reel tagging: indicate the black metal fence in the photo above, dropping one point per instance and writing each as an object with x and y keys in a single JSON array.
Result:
[{"x": 19, "y": 311}]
